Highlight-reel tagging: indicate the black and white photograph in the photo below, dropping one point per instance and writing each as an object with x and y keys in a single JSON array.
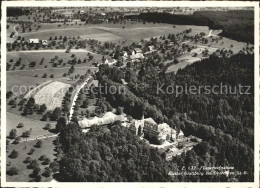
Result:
[{"x": 152, "y": 92}]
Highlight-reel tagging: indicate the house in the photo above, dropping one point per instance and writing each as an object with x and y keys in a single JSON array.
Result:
[
  {"x": 34, "y": 41},
  {"x": 94, "y": 83},
  {"x": 136, "y": 56},
  {"x": 137, "y": 50},
  {"x": 124, "y": 82},
  {"x": 112, "y": 62},
  {"x": 82, "y": 12},
  {"x": 44, "y": 42},
  {"x": 125, "y": 54},
  {"x": 151, "y": 48}
]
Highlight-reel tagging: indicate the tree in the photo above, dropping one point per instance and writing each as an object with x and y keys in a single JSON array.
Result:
[
  {"x": 17, "y": 140},
  {"x": 12, "y": 171},
  {"x": 119, "y": 110},
  {"x": 62, "y": 121},
  {"x": 27, "y": 160},
  {"x": 54, "y": 166},
  {"x": 26, "y": 134},
  {"x": 33, "y": 164},
  {"x": 9, "y": 94},
  {"x": 47, "y": 172},
  {"x": 46, "y": 161},
  {"x": 56, "y": 114},
  {"x": 20, "y": 125},
  {"x": 85, "y": 103},
  {"x": 14, "y": 154},
  {"x": 44, "y": 75},
  {"x": 12, "y": 134},
  {"x": 32, "y": 64},
  {"x": 45, "y": 117},
  {"x": 31, "y": 151},
  {"x": 47, "y": 126},
  {"x": 42, "y": 157},
  {"x": 38, "y": 144},
  {"x": 43, "y": 108},
  {"x": 36, "y": 171}
]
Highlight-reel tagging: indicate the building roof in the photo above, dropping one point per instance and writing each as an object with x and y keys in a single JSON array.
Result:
[
  {"x": 94, "y": 82},
  {"x": 45, "y": 42},
  {"x": 181, "y": 133},
  {"x": 151, "y": 48},
  {"x": 150, "y": 120},
  {"x": 124, "y": 82},
  {"x": 138, "y": 50},
  {"x": 108, "y": 118},
  {"x": 35, "y": 41},
  {"x": 137, "y": 56}
]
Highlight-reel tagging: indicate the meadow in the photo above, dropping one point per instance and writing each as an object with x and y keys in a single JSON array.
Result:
[
  {"x": 24, "y": 173},
  {"x": 27, "y": 78},
  {"x": 132, "y": 31},
  {"x": 28, "y": 57},
  {"x": 36, "y": 126}
]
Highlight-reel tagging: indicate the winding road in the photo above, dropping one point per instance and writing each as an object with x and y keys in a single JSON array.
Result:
[
  {"x": 15, "y": 31},
  {"x": 75, "y": 98}
]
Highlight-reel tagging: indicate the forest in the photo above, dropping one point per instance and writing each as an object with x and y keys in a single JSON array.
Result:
[
  {"x": 108, "y": 154},
  {"x": 235, "y": 24},
  {"x": 224, "y": 121}
]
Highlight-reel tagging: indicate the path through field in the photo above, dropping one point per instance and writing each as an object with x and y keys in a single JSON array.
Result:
[{"x": 15, "y": 31}]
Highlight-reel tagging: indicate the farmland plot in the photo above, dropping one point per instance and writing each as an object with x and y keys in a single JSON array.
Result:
[{"x": 51, "y": 95}]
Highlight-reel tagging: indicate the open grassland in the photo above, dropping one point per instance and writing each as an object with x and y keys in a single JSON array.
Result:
[
  {"x": 113, "y": 32},
  {"x": 27, "y": 78},
  {"x": 51, "y": 95},
  {"x": 23, "y": 176},
  {"x": 36, "y": 126},
  {"x": 212, "y": 46},
  {"x": 28, "y": 57}
]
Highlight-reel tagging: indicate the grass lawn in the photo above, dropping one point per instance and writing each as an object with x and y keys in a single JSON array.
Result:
[
  {"x": 37, "y": 126},
  {"x": 23, "y": 176}
]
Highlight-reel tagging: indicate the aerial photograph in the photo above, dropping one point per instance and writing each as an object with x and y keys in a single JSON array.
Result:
[{"x": 130, "y": 94}]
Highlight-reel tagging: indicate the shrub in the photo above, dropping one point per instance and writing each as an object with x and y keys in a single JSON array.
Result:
[
  {"x": 20, "y": 125},
  {"x": 12, "y": 171},
  {"x": 14, "y": 154}
]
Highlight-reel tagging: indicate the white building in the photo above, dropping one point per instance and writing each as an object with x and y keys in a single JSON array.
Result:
[{"x": 34, "y": 41}]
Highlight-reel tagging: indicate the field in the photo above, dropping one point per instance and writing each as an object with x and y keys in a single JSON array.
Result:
[
  {"x": 28, "y": 57},
  {"x": 133, "y": 32},
  {"x": 51, "y": 95},
  {"x": 212, "y": 46},
  {"x": 27, "y": 78},
  {"x": 23, "y": 176},
  {"x": 36, "y": 126}
]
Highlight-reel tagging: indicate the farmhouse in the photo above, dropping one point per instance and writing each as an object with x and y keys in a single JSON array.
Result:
[
  {"x": 137, "y": 50},
  {"x": 112, "y": 62},
  {"x": 151, "y": 48},
  {"x": 44, "y": 42},
  {"x": 136, "y": 55},
  {"x": 34, "y": 41}
]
